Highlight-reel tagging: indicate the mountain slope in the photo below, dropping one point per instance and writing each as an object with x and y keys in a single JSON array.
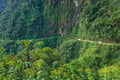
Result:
[
  {"x": 94, "y": 20},
  {"x": 84, "y": 35},
  {"x": 101, "y": 20},
  {"x": 74, "y": 60},
  {"x": 32, "y": 19}
]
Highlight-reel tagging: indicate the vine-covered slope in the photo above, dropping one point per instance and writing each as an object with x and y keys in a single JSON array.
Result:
[
  {"x": 91, "y": 19},
  {"x": 38, "y": 18},
  {"x": 80, "y": 40},
  {"x": 74, "y": 60}
]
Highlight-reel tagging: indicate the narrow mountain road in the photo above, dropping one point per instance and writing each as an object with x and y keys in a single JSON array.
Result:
[
  {"x": 99, "y": 42},
  {"x": 78, "y": 39}
]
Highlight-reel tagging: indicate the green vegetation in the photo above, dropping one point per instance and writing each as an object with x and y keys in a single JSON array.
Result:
[
  {"x": 101, "y": 20},
  {"x": 34, "y": 19},
  {"x": 41, "y": 18},
  {"x": 3, "y": 4},
  {"x": 74, "y": 60},
  {"x": 60, "y": 40}
]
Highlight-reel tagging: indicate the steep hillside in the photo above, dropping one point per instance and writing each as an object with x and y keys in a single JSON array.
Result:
[
  {"x": 73, "y": 60},
  {"x": 100, "y": 20},
  {"x": 32, "y": 19},
  {"x": 91, "y": 19},
  {"x": 60, "y": 40}
]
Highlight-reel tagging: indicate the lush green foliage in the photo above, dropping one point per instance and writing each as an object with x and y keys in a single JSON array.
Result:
[
  {"x": 40, "y": 18},
  {"x": 34, "y": 19},
  {"x": 70, "y": 57},
  {"x": 74, "y": 60},
  {"x": 101, "y": 20},
  {"x": 14, "y": 46}
]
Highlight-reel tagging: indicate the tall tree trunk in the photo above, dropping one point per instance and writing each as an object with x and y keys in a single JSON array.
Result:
[{"x": 28, "y": 54}]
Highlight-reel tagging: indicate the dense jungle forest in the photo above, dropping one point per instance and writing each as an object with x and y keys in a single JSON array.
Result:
[{"x": 59, "y": 40}]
